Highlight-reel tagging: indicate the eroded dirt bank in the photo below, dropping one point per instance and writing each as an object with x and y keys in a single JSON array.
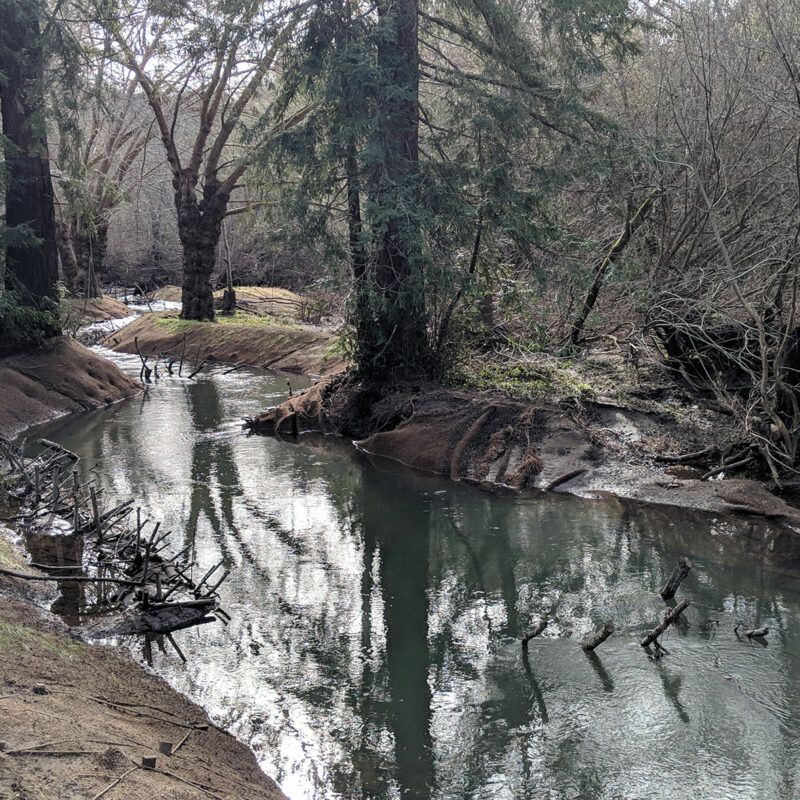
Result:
[
  {"x": 96, "y": 309},
  {"x": 504, "y": 444},
  {"x": 253, "y": 345},
  {"x": 78, "y": 717},
  {"x": 63, "y": 377}
]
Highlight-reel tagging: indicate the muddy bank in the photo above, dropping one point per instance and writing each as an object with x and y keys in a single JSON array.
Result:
[
  {"x": 503, "y": 444},
  {"x": 63, "y": 377},
  {"x": 84, "y": 716},
  {"x": 96, "y": 309},
  {"x": 253, "y": 345}
]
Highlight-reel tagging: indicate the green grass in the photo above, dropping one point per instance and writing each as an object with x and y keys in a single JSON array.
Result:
[
  {"x": 176, "y": 325},
  {"x": 525, "y": 382}
]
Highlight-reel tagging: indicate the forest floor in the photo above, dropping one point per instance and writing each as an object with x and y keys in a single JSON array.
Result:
[
  {"x": 63, "y": 377},
  {"x": 242, "y": 339},
  {"x": 79, "y": 717}
]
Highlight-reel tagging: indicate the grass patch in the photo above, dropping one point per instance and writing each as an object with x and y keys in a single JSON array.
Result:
[
  {"x": 524, "y": 382},
  {"x": 17, "y": 638}
]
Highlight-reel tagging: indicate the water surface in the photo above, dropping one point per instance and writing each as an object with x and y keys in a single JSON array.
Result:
[{"x": 374, "y": 648}]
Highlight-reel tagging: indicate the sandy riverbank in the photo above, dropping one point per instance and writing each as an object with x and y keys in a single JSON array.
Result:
[
  {"x": 502, "y": 444},
  {"x": 63, "y": 377},
  {"x": 258, "y": 344},
  {"x": 78, "y": 717}
]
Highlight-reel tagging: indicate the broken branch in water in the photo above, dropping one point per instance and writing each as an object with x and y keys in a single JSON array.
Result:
[
  {"x": 671, "y": 586},
  {"x": 670, "y": 618},
  {"x": 598, "y": 637},
  {"x": 750, "y": 633},
  {"x": 534, "y": 632}
]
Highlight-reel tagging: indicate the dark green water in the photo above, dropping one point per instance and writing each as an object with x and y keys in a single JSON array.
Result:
[{"x": 374, "y": 650}]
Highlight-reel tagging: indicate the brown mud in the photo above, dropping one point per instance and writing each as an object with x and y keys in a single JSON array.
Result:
[
  {"x": 78, "y": 717},
  {"x": 254, "y": 345},
  {"x": 500, "y": 444},
  {"x": 63, "y": 377}
]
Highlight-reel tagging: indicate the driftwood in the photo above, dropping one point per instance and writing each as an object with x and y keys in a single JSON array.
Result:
[
  {"x": 751, "y": 633},
  {"x": 598, "y": 637},
  {"x": 117, "y": 552},
  {"x": 709, "y": 452},
  {"x": 567, "y": 476},
  {"x": 671, "y": 586},
  {"x": 670, "y": 618},
  {"x": 533, "y": 633}
]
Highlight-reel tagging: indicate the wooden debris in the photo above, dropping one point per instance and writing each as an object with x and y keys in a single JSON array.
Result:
[
  {"x": 533, "y": 632},
  {"x": 675, "y": 580},
  {"x": 115, "y": 549},
  {"x": 567, "y": 476},
  {"x": 598, "y": 637},
  {"x": 670, "y": 618},
  {"x": 751, "y": 633}
]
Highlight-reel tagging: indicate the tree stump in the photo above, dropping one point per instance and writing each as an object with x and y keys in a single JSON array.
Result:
[{"x": 671, "y": 586}]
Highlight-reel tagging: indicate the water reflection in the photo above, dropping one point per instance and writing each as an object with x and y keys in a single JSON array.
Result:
[{"x": 374, "y": 653}]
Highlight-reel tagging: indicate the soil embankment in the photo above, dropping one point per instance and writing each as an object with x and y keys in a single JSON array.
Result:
[
  {"x": 498, "y": 443},
  {"x": 78, "y": 717},
  {"x": 63, "y": 377},
  {"x": 253, "y": 345},
  {"x": 97, "y": 309}
]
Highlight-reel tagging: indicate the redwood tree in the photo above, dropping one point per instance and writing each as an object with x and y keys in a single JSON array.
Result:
[{"x": 31, "y": 252}]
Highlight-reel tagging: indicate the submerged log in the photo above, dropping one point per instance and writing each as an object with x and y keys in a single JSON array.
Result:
[
  {"x": 671, "y": 586},
  {"x": 598, "y": 637},
  {"x": 533, "y": 633},
  {"x": 670, "y": 618},
  {"x": 751, "y": 633},
  {"x": 132, "y": 623}
]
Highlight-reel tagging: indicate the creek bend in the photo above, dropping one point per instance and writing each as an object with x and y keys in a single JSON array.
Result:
[{"x": 374, "y": 648}]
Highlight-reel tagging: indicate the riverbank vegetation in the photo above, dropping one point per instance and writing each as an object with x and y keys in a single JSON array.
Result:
[{"x": 483, "y": 193}]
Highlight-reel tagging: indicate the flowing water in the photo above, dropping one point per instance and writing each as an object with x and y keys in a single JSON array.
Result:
[{"x": 374, "y": 649}]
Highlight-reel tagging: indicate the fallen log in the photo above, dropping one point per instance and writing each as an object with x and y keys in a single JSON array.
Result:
[
  {"x": 670, "y": 618},
  {"x": 751, "y": 633},
  {"x": 598, "y": 637},
  {"x": 533, "y": 633},
  {"x": 567, "y": 476},
  {"x": 671, "y": 586}
]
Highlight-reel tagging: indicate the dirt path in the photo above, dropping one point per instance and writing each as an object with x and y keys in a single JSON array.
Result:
[
  {"x": 61, "y": 378},
  {"x": 82, "y": 716}
]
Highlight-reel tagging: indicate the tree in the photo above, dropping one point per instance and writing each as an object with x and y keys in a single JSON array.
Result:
[
  {"x": 103, "y": 131},
  {"x": 444, "y": 133},
  {"x": 219, "y": 59},
  {"x": 31, "y": 253}
]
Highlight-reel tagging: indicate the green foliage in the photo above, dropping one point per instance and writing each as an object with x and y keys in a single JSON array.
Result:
[
  {"x": 501, "y": 130},
  {"x": 24, "y": 327}
]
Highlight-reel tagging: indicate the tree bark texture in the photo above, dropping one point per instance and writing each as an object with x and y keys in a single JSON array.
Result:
[
  {"x": 31, "y": 266},
  {"x": 399, "y": 273}
]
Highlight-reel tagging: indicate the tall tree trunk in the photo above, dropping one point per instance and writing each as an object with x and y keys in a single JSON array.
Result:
[
  {"x": 399, "y": 273},
  {"x": 199, "y": 228},
  {"x": 31, "y": 267},
  {"x": 84, "y": 246},
  {"x": 66, "y": 252}
]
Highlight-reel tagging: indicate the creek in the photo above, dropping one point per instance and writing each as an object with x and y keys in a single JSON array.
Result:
[{"x": 374, "y": 647}]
